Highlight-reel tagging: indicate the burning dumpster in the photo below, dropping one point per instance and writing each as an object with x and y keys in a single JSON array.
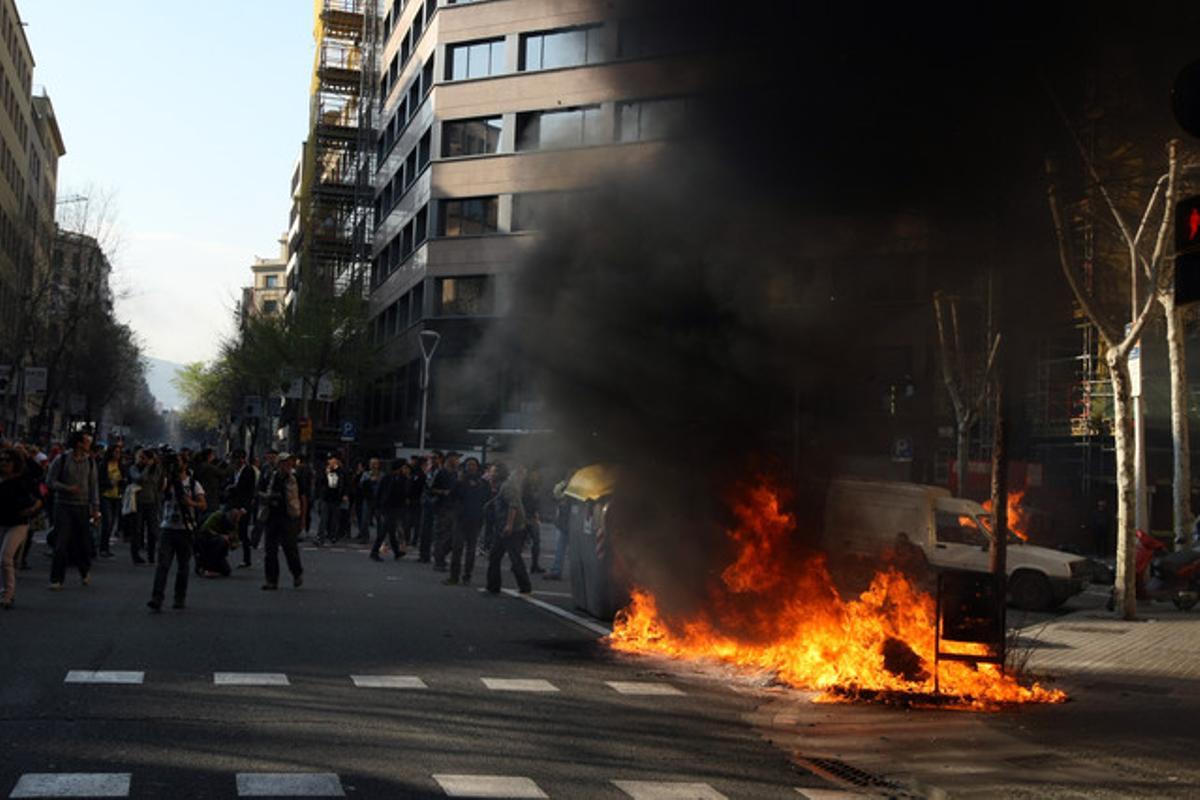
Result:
[{"x": 596, "y": 585}]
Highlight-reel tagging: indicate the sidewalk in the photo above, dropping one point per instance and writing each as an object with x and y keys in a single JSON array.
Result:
[{"x": 1162, "y": 645}]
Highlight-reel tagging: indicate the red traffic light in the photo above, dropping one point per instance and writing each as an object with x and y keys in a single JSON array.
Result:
[{"x": 1187, "y": 250}]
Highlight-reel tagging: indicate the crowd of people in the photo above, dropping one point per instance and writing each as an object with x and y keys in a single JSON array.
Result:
[{"x": 194, "y": 511}]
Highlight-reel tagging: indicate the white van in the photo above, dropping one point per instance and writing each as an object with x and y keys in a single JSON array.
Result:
[{"x": 865, "y": 517}]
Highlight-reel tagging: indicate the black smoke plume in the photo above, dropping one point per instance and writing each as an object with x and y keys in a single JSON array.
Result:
[{"x": 698, "y": 322}]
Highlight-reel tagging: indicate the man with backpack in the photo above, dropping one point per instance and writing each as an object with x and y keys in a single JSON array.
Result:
[{"x": 76, "y": 489}]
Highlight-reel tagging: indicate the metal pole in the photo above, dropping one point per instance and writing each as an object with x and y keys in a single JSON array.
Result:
[
  {"x": 424, "y": 400},
  {"x": 1141, "y": 514}
]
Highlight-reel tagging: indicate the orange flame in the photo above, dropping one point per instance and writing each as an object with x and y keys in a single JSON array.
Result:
[
  {"x": 1018, "y": 519},
  {"x": 772, "y": 610}
]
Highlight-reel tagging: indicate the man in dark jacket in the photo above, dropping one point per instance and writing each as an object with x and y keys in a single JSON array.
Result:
[
  {"x": 240, "y": 494},
  {"x": 333, "y": 488},
  {"x": 391, "y": 500},
  {"x": 469, "y": 495},
  {"x": 444, "y": 510}
]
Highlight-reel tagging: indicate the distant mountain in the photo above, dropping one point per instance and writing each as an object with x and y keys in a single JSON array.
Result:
[{"x": 159, "y": 374}]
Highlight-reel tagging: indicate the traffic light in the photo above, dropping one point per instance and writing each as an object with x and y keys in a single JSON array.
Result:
[{"x": 1187, "y": 251}]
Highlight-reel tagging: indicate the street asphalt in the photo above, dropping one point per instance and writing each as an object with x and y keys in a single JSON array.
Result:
[{"x": 432, "y": 732}]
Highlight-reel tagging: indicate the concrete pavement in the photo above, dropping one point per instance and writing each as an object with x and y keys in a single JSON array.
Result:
[{"x": 373, "y": 681}]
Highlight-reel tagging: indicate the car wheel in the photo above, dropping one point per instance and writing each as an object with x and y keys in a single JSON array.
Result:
[
  {"x": 1185, "y": 601},
  {"x": 1031, "y": 591}
]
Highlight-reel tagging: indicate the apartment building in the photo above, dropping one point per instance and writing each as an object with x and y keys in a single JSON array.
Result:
[
  {"x": 488, "y": 113},
  {"x": 30, "y": 146},
  {"x": 266, "y": 294}
]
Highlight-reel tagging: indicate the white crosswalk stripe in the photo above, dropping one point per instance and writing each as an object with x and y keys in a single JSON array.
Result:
[
  {"x": 486, "y": 786},
  {"x": 668, "y": 790},
  {"x": 101, "y": 676},
  {"x": 388, "y": 682},
  {"x": 519, "y": 685},
  {"x": 643, "y": 688},
  {"x": 289, "y": 784},
  {"x": 831, "y": 794},
  {"x": 250, "y": 679},
  {"x": 73, "y": 784}
]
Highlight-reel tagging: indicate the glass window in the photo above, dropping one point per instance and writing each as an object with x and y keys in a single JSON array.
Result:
[
  {"x": 422, "y": 225},
  {"x": 464, "y": 297},
  {"x": 571, "y": 127},
  {"x": 272, "y": 281},
  {"x": 270, "y": 306},
  {"x": 474, "y": 60},
  {"x": 471, "y": 137},
  {"x": 649, "y": 119},
  {"x": 959, "y": 529},
  {"x": 569, "y": 47},
  {"x": 470, "y": 217}
]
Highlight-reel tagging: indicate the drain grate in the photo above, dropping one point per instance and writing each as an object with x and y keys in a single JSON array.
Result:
[{"x": 845, "y": 775}]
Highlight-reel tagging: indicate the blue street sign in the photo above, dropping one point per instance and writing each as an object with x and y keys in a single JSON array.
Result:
[{"x": 349, "y": 431}]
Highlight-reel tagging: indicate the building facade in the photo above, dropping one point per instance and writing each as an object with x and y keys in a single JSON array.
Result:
[
  {"x": 30, "y": 146},
  {"x": 266, "y": 294},
  {"x": 488, "y": 113}
]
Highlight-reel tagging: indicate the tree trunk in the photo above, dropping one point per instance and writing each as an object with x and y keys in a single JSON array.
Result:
[
  {"x": 1181, "y": 444},
  {"x": 962, "y": 451},
  {"x": 1126, "y": 583},
  {"x": 998, "y": 557}
]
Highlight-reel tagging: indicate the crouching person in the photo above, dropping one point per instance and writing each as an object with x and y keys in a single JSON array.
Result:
[{"x": 217, "y": 537}]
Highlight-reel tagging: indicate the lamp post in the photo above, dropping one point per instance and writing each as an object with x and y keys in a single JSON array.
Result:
[{"x": 429, "y": 342}]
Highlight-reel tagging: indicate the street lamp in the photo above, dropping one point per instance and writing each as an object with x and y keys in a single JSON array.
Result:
[{"x": 429, "y": 342}]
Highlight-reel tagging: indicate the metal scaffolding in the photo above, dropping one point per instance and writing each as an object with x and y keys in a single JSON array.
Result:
[{"x": 335, "y": 197}]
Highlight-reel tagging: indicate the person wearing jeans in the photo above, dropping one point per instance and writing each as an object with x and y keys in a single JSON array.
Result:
[
  {"x": 17, "y": 506},
  {"x": 112, "y": 486},
  {"x": 183, "y": 503}
]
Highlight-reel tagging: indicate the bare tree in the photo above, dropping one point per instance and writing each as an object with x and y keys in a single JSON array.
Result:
[
  {"x": 1118, "y": 340},
  {"x": 966, "y": 386}
]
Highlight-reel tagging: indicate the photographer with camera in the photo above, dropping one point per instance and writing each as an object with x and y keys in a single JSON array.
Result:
[{"x": 182, "y": 500}]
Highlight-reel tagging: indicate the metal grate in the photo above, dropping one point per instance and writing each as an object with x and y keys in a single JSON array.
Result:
[{"x": 845, "y": 775}]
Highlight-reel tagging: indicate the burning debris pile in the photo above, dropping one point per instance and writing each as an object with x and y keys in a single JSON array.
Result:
[{"x": 773, "y": 609}]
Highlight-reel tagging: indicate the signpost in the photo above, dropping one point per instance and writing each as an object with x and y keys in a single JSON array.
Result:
[{"x": 349, "y": 431}]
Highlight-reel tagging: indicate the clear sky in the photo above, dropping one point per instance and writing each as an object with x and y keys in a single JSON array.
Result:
[{"x": 191, "y": 114}]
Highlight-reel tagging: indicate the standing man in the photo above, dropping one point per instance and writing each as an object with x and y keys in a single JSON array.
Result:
[
  {"x": 304, "y": 478},
  {"x": 208, "y": 474},
  {"x": 183, "y": 503},
  {"x": 368, "y": 504},
  {"x": 444, "y": 510},
  {"x": 334, "y": 490},
  {"x": 470, "y": 495},
  {"x": 147, "y": 475},
  {"x": 391, "y": 499},
  {"x": 270, "y": 461},
  {"x": 433, "y": 466},
  {"x": 241, "y": 495},
  {"x": 510, "y": 537},
  {"x": 76, "y": 505},
  {"x": 282, "y": 501}
]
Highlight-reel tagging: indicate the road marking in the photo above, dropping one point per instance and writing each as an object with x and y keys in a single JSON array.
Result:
[
  {"x": 77, "y": 784},
  {"x": 831, "y": 794},
  {"x": 551, "y": 594},
  {"x": 489, "y": 786},
  {"x": 250, "y": 679},
  {"x": 519, "y": 685},
  {"x": 388, "y": 682},
  {"x": 642, "y": 688},
  {"x": 289, "y": 784},
  {"x": 101, "y": 676},
  {"x": 591, "y": 625},
  {"x": 665, "y": 790}
]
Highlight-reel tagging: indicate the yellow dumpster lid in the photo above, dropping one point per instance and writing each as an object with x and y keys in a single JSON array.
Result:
[{"x": 592, "y": 482}]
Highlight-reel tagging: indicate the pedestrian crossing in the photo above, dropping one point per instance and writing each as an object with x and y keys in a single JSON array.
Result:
[
  {"x": 379, "y": 681},
  {"x": 328, "y": 784}
]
